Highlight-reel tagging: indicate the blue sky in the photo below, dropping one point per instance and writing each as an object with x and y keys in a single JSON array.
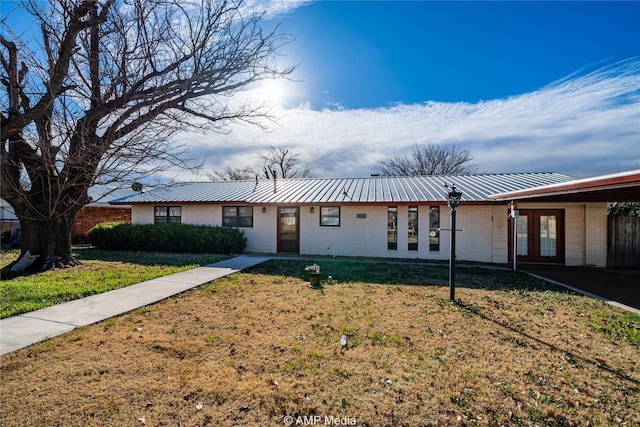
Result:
[
  {"x": 374, "y": 54},
  {"x": 525, "y": 86}
]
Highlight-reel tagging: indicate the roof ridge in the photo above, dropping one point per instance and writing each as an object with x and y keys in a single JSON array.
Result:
[{"x": 372, "y": 177}]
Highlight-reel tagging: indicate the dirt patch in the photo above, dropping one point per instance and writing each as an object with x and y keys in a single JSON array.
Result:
[{"x": 253, "y": 348}]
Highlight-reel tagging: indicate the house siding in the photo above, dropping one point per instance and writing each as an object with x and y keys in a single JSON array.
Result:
[
  {"x": 142, "y": 214},
  {"x": 262, "y": 238},
  {"x": 484, "y": 239},
  {"x": 202, "y": 214},
  {"x": 475, "y": 242},
  {"x": 596, "y": 234},
  {"x": 356, "y": 237},
  {"x": 499, "y": 234}
]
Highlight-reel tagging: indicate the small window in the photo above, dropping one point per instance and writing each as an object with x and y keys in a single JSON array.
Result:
[
  {"x": 237, "y": 216},
  {"x": 330, "y": 216},
  {"x": 392, "y": 228},
  {"x": 434, "y": 228},
  {"x": 167, "y": 215},
  {"x": 412, "y": 235}
]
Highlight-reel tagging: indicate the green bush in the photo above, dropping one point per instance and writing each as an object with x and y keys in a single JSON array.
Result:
[{"x": 183, "y": 238}]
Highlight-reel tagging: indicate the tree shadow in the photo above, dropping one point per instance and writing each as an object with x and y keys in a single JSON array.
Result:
[
  {"x": 412, "y": 273},
  {"x": 343, "y": 270},
  {"x": 82, "y": 254},
  {"x": 470, "y": 308}
]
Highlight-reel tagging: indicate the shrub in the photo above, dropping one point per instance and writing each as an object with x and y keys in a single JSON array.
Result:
[{"x": 184, "y": 238}]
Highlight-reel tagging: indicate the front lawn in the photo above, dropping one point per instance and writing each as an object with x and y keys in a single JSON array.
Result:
[
  {"x": 262, "y": 348},
  {"x": 101, "y": 271}
]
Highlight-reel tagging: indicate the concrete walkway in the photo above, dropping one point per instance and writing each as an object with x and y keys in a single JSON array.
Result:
[{"x": 25, "y": 329}]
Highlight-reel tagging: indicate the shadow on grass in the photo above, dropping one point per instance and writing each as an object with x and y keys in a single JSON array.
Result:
[
  {"x": 130, "y": 257},
  {"x": 429, "y": 274},
  {"x": 414, "y": 273},
  {"x": 146, "y": 258},
  {"x": 569, "y": 355}
]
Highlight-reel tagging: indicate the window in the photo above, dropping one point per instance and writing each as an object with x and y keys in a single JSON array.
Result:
[
  {"x": 167, "y": 215},
  {"x": 413, "y": 229},
  {"x": 330, "y": 216},
  {"x": 522, "y": 234},
  {"x": 392, "y": 228},
  {"x": 237, "y": 216},
  {"x": 548, "y": 235},
  {"x": 434, "y": 228}
]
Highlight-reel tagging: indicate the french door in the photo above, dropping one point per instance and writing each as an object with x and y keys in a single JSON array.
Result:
[{"x": 539, "y": 236}]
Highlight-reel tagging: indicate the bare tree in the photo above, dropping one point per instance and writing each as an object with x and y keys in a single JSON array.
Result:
[
  {"x": 278, "y": 162},
  {"x": 98, "y": 100},
  {"x": 429, "y": 159},
  {"x": 232, "y": 174},
  {"x": 282, "y": 162}
]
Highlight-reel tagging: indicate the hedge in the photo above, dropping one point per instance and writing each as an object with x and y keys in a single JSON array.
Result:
[{"x": 182, "y": 238}]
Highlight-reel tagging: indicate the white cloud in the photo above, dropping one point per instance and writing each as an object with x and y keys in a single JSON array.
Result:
[
  {"x": 583, "y": 125},
  {"x": 273, "y": 8}
]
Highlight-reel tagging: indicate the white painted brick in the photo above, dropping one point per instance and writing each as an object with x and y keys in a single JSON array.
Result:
[{"x": 485, "y": 236}]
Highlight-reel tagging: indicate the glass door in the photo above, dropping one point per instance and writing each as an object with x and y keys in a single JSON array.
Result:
[
  {"x": 288, "y": 230},
  {"x": 539, "y": 236},
  {"x": 524, "y": 239}
]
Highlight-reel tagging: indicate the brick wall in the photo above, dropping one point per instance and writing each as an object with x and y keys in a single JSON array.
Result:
[{"x": 90, "y": 216}]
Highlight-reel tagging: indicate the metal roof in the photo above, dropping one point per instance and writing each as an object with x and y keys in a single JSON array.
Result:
[
  {"x": 100, "y": 195},
  {"x": 369, "y": 190}
]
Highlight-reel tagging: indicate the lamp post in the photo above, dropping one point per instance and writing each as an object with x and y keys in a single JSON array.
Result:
[{"x": 453, "y": 202}]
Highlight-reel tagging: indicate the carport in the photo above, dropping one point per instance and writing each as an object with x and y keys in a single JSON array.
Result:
[
  {"x": 619, "y": 187},
  {"x": 622, "y": 286}
]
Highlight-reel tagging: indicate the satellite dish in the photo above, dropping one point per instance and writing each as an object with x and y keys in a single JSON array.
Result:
[{"x": 136, "y": 186}]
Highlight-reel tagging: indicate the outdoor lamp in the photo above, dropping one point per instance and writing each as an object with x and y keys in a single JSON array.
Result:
[
  {"x": 264, "y": 209},
  {"x": 454, "y": 197},
  {"x": 453, "y": 202}
]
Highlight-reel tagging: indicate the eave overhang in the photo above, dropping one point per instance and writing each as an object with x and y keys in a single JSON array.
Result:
[{"x": 619, "y": 187}]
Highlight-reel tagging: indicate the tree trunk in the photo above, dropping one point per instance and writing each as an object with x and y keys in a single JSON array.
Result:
[{"x": 50, "y": 239}]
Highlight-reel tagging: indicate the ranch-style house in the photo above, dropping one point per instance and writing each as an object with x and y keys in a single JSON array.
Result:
[{"x": 559, "y": 219}]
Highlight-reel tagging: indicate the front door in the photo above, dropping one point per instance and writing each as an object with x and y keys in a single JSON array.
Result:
[
  {"x": 288, "y": 230},
  {"x": 540, "y": 236}
]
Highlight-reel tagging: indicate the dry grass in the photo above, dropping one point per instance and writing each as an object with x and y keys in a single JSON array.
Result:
[{"x": 254, "y": 347}]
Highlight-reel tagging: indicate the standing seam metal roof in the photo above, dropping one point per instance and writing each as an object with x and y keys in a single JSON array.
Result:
[{"x": 414, "y": 189}]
